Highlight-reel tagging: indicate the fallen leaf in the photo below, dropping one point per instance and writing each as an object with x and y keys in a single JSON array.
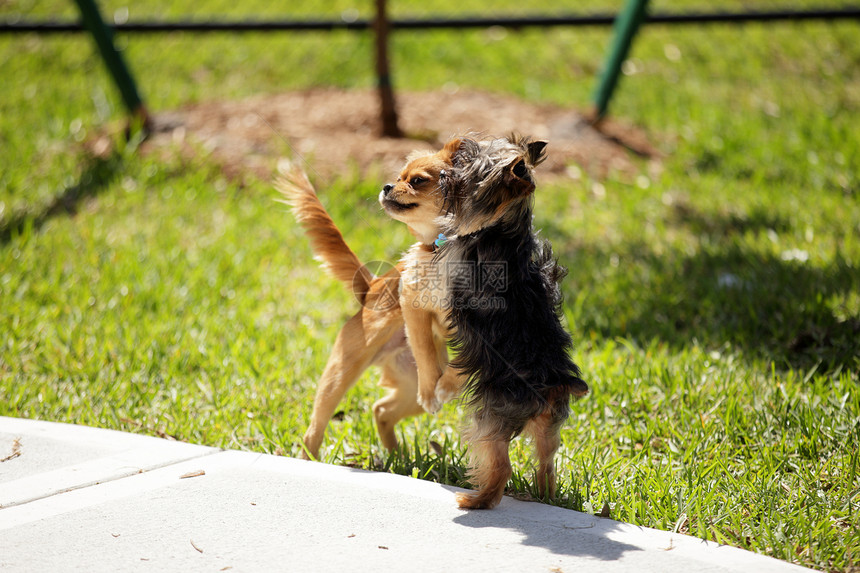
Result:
[{"x": 16, "y": 451}]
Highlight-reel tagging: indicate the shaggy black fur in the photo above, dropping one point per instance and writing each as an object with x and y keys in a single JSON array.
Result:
[{"x": 507, "y": 333}]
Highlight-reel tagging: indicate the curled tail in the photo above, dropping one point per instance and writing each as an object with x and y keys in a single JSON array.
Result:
[{"x": 326, "y": 240}]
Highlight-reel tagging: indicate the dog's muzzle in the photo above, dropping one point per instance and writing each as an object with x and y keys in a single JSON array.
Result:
[{"x": 392, "y": 205}]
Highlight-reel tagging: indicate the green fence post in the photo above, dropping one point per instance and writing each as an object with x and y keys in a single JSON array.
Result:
[
  {"x": 625, "y": 28},
  {"x": 103, "y": 36}
]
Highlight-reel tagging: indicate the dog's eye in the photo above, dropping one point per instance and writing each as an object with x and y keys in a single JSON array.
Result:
[{"x": 417, "y": 181}]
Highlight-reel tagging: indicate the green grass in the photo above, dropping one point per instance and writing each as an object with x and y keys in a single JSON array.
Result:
[{"x": 715, "y": 301}]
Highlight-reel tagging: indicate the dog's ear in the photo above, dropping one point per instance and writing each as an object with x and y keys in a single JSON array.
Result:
[
  {"x": 466, "y": 152},
  {"x": 536, "y": 152},
  {"x": 451, "y": 148},
  {"x": 519, "y": 177}
]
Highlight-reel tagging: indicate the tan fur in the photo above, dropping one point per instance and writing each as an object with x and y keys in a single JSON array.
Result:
[
  {"x": 490, "y": 468},
  {"x": 421, "y": 297},
  {"x": 421, "y": 220},
  {"x": 326, "y": 239},
  {"x": 547, "y": 440},
  {"x": 422, "y": 300},
  {"x": 490, "y": 465},
  {"x": 375, "y": 335}
]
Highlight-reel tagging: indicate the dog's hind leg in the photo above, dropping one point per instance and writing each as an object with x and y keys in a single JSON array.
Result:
[
  {"x": 333, "y": 385},
  {"x": 400, "y": 402},
  {"x": 354, "y": 350},
  {"x": 545, "y": 429},
  {"x": 547, "y": 439},
  {"x": 490, "y": 467}
]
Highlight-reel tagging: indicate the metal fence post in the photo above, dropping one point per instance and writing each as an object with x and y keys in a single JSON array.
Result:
[
  {"x": 117, "y": 68},
  {"x": 625, "y": 28},
  {"x": 388, "y": 105}
]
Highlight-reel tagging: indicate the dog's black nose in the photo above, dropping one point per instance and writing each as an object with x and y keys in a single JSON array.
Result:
[{"x": 387, "y": 188}]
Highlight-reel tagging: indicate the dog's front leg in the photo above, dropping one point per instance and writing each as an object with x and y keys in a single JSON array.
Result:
[{"x": 419, "y": 333}]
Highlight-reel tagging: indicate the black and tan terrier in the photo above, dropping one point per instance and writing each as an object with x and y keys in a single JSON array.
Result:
[{"x": 495, "y": 286}]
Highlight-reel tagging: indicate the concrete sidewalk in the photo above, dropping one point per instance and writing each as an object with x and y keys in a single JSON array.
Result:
[{"x": 79, "y": 498}]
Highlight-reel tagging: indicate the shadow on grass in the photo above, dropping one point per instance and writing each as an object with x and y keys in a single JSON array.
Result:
[
  {"x": 97, "y": 174},
  {"x": 775, "y": 306}
]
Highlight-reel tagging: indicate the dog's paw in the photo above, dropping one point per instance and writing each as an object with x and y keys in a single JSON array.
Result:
[
  {"x": 429, "y": 402},
  {"x": 448, "y": 385},
  {"x": 445, "y": 393},
  {"x": 476, "y": 501}
]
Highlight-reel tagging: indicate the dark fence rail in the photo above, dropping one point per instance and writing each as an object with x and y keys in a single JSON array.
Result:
[{"x": 53, "y": 27}]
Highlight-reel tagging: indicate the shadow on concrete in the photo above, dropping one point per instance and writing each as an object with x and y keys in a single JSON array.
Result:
[{"x": 574, "y": 534}]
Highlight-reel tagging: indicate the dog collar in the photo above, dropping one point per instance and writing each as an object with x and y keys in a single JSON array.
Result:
[{"x": 440, "y": 240}]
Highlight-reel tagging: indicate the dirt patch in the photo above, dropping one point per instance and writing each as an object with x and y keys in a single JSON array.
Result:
[{"x": 336, "y": 132}]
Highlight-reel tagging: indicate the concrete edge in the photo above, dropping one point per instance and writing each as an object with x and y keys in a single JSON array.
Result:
[{"x": 164, "y": 468}]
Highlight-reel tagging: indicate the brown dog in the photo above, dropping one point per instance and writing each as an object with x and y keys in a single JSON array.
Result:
[{"x": 375, "y": 335}]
